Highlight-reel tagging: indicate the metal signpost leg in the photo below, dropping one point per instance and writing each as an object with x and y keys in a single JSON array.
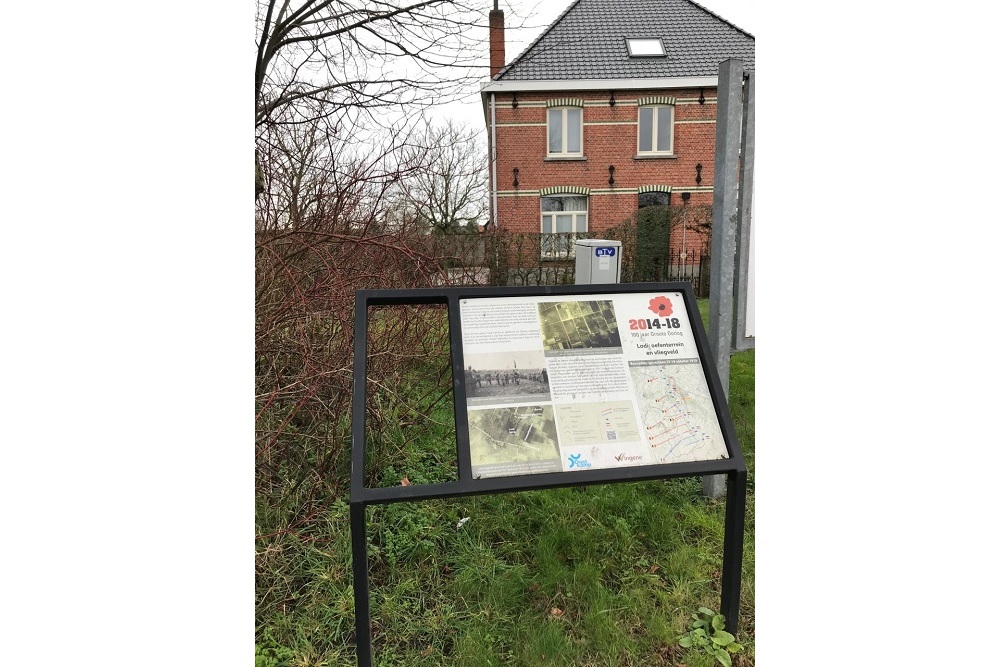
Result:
[
  {"x": 732, "y": 550},
  {"x": 362, "y": 614}
]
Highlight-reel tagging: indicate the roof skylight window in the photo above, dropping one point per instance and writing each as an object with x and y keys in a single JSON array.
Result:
[{"x": 640, "y": 47}]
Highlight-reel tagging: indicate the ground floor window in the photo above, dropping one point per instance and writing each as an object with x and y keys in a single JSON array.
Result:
[
  {"x": 647, "y": 199},
  {"x": 563, "y": 218},
  {"x": 653, "y": 225}
]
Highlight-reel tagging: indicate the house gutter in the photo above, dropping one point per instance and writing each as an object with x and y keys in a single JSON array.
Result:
[{"x": 597, "y": 84}]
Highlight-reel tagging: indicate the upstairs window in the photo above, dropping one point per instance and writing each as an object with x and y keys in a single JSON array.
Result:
[
  {"x": 565, "y": 132},
  {"x": 656, "y": 130}
]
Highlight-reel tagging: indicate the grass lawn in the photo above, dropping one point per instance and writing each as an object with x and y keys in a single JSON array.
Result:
[{"x": 591, "y": 576}]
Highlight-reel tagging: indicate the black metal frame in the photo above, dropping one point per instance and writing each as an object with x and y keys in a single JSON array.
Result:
[{"x": 361, "y": 496}]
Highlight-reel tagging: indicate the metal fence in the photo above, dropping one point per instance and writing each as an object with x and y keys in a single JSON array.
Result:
[{"x": 669, "y": 247}]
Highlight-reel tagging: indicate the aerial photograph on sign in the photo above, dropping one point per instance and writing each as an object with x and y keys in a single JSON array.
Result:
[
  {"x": 513, "y": 441},
  {"x": 576, "y": 325},
  {"x": 498, "y": 377}
]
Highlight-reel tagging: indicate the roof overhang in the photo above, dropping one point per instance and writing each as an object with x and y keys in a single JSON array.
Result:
[
  {"x": 554, "y": 85},
  {"x": 598, "y": 84}
]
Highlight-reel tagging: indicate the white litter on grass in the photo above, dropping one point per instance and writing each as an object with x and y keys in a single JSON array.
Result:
[{"x": 461, "y": 522}]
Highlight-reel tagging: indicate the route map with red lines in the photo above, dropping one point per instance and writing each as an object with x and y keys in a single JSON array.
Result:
[{"x": 677, "y": 412}]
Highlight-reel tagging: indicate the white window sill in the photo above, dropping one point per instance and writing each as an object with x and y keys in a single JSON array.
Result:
[
  {"x": 655, "y": 156},
  {"x": 564, "y": 158}
]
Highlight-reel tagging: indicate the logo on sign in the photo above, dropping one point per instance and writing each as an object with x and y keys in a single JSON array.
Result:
[
  {"x": 577, "y": 461},
  {"x": 604, "y": 252},
  {"x": 663, "y": 308}
]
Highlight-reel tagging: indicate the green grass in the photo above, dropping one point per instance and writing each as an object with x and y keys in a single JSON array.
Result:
[{"x": 592, "y": 576}]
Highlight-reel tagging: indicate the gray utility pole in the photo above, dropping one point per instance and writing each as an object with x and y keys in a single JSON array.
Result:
[
  {"x": 726, "y": 191},
  {"x": 741, "y": 341}
]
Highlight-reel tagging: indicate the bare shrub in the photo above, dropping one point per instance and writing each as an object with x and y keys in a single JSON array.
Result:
[{"x": 306, "y": 282}]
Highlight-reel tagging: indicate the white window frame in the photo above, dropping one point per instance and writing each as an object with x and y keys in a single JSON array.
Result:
[
  {"x": 645, "y": 47},
  {"x": 654, "y": 129},
  {"x": 569, "y": 251},
  {"x": 564, "y": 139}
]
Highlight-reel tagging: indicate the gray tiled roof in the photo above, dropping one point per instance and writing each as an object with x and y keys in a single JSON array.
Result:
[{"x": 588, "y": 42}]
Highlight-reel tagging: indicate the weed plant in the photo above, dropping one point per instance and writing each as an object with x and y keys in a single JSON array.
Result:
[{"x": 604, "y": 575}]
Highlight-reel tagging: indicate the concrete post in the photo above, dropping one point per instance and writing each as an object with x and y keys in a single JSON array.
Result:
[
  {"x": 740, "y": 339},
  {"x": 724, "y": 219}
]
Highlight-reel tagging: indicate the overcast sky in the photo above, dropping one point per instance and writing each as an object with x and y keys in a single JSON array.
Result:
[{"x": 541, "y": 14}]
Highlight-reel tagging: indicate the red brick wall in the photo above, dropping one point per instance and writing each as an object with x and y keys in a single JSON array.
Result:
[{"x": 525, "y": 148}]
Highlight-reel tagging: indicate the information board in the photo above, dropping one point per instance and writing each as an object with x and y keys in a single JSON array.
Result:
[
  {"x": 576, "y": 382},
  {"x": 564, "y": 386}
]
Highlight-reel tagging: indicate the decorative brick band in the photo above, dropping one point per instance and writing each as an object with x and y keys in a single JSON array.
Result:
[
  {"x": 564, "y": 190},
  {"x": 613, "y": 191},
  {"x": 643, "y": 101},
  {"x": 564, "y": 102},
  {"x": 605, "y": 191},
  {"x": 653, "y": 188},
  {"x": 623, "y": 102},
  {"x": 517, "y": 193}
]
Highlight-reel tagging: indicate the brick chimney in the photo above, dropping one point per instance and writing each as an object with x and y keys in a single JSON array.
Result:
[{"x": 496, "y": 39}]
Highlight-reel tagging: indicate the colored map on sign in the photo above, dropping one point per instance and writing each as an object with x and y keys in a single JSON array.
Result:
[{"x": 678, "y": 415}]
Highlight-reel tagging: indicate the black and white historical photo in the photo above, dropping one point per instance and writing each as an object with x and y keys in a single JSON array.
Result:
[{"x": 506, "y": 376}]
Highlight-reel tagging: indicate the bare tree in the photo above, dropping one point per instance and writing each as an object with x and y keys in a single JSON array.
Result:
[
  {"x": 358, "y": 62},
  {"x": 339, "y": 86},
  {"x": 445, "y": 186},
  {"x": 313, "y": 180}
]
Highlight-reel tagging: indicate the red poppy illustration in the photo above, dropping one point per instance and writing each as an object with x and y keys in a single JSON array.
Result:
[{"x": 661, "y": 306}]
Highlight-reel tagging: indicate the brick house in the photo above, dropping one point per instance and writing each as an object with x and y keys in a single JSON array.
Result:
[{"x": 612, "y": 108}]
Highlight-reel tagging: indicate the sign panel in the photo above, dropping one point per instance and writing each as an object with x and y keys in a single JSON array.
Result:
[
  {"x": 563, "y": 386},
  {"x": 559, "y": 383}
]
